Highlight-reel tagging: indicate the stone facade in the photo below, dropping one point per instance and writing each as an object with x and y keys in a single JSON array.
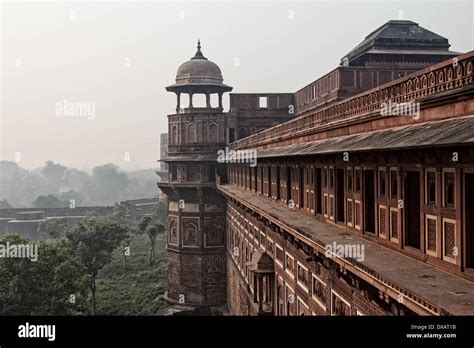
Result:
[
  {"x": 349, "y": 175},
  {"x": 332, "y": 170}
]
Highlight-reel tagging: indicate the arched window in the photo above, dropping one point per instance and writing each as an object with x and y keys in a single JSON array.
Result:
[
  {"x": 175, "y": 135},
  {"x": 191, "y": 134},
  {"x": 213, "y": 133},
  {"x": 449, "y": 184}
]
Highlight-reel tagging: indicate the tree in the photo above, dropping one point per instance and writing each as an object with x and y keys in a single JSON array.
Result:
[
  {"x": 71, "y": 196},
  {"x": 21, "y": 191},
  {"x": 93, "y": 241},
  {"x": 49, "y": 201},
  {"x": 75, "y": 179},
  {"x": 119, "y": 213},
  {"x": 148, "y": 226},
  {"x": 54, "y": 174},
  {"x": 53, "y": 228},
  {"x": 54, "y": 284},
  {"x": 144, "y": 223},
  {"x": 132, "y": 233},
  {"x": 152, "y": 232},
  {"x": 106, "y": 185}
]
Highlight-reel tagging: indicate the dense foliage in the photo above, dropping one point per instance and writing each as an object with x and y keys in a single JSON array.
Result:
[
  {"x": 81, "y": 270},
  {"x": 44, "y": 286}
]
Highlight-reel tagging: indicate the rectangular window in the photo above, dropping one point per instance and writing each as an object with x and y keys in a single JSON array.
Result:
[
  {"x": 357, "y": 214},
  {"x": 289, "y": 265},
  {"x": 339, "y": 306},
  {"x": 325, "y": 210},
  {"x": 290, "y": 301},
  {"x": 382, "y": 221},
  {"x": 430, "y": 234},
  {"x": 303, "y": 308},
  {"x": 430, "y": 186},
  {"x": 263, "y": 102},
  {"x": 349, "y": 179},
  {"x": 319, "y": 292},
  {"x": 449, "y": 188},
  {"x": 394, "y": 224},
  {"x": 450, "y": 249},
  {"x": 393, "y": 183},
  {"x": 331, "y": 207},
  {"x": 302, "y": 276},
  {"x": 382, "y": 183},
  {"x": 349, "y": 210},
  {"x": 279, "y": 255},
  {"x": 358, "y": 179},
  {"x": 270, "y": 246},
  {"x": 174, "y": 175}
]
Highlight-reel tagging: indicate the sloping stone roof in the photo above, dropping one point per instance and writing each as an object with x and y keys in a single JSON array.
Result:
[
  {"x": 400, "y": 35},
  {"x": 450, "y": 132}
]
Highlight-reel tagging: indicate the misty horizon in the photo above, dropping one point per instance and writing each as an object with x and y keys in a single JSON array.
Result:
[{"x": 87, "y": 170}]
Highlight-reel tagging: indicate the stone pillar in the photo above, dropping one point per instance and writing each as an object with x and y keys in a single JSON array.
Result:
[
  {"x": 178, "y": 105},
  {"x": 260, "y": 293},
  {"x": 255, "y": 288},
  {"x": 272, "y": 292},
  {"x": 267, "y": 288},
  {"x": 220, "y": 100},
  {"x": 191, "y": 100},
  {"x": 208, "y": 101}
]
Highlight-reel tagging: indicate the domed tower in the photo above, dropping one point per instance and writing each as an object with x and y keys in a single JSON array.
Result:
[
  {"x": 199, "y": 76},
  {"x": 196, "y": 212}
]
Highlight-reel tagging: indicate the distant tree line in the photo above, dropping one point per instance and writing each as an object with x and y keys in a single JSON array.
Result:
[{"x": 54, "y": 185}]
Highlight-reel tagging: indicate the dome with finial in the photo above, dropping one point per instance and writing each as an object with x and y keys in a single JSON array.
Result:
[{"x": 198, "y": 71}]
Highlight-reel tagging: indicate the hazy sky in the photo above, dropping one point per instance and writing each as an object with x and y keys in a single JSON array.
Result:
[{"x": 119, "y": 56}]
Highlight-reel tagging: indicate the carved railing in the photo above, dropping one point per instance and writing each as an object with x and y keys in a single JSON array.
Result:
[
  {"x": 318, "y": 91},
  {"x": 445, "y": 76},
  {"x": 194, "y": 147}
]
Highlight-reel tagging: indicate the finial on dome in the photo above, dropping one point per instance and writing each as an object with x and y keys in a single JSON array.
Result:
[{"x": 199, "y": 54}]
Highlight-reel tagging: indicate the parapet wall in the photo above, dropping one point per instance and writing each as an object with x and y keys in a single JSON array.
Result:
[
  {"x": 54, "y": 212},
  {"x": 25, "y": 221}
]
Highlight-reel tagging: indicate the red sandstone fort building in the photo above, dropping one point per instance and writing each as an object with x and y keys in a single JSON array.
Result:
[{"x": 361, "y": 199}]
